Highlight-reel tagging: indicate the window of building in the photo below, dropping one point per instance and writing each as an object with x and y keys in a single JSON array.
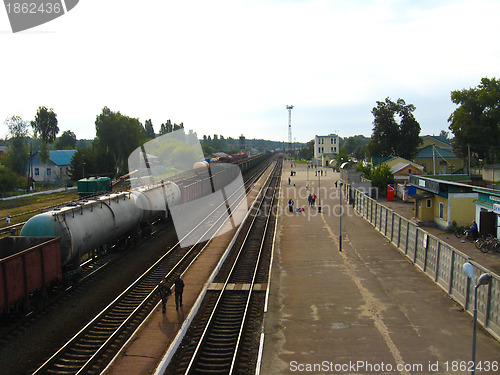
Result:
[
  {"x": 37, "y": 171},
  {"x": 429, "y": 203},
  {"x": 331, "y": 141},
  {"x": 331, "y": 149},
  {"x": 441, "y": 210},
  {"x": 49, "y": 172}
]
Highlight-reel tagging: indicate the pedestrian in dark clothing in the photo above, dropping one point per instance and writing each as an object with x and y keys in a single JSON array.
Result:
[
  {"x": 289, "y": 180},
  {"x": 164, "y": 292},
  {"x": 310, "y": 200},
  {"x": 290, "y": 205},
  {"x": 179, "y": 288},
  {"x": 474, "y": 231}
]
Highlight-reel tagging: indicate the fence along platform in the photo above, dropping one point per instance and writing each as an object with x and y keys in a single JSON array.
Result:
[{"x": 437, "y": 259}]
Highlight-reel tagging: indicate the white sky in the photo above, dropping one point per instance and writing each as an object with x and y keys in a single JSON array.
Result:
[{"x": 231, "y": 67}]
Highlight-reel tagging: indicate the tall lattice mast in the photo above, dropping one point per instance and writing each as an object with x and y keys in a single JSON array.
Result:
[{"x": 289, "y": 107}]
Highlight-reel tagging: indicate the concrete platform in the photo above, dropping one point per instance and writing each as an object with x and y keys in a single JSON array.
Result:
[
  {"x": 146, "y": 349},
  {"x": 363, "y": 310}
]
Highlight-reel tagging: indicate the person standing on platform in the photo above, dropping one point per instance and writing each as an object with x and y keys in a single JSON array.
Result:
[
  {"x": 310, "y": 200},
  {"x": 164, "y": 292},
  {"x": 179, "y": 288},
  {"x": 289, "y": 181},
  {"x": 314, "y": 199},
  {"x": 290, "y": 205}
]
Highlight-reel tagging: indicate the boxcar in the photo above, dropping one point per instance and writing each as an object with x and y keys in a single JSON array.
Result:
[
  {"x": 93, "y": 185},
  {"x": 29, "y": 266}
]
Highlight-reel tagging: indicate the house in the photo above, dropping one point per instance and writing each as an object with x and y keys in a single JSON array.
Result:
[
  {"x": 444, "y": 201},
  {"x": 56, "y": 169},
  {"x": 491, "y": 173},
  {"x": 436, "y": 140},
  {"x": 402, "y": 169},
  {"x": 325, "y": 148},
  {"x": 439, "y": 160},
  {"x": 488, "y": 211}
]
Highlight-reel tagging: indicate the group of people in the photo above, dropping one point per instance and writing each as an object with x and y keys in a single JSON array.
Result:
[
  {"x": 165, "y": 291},
  {"x": 312, "y": 199}
]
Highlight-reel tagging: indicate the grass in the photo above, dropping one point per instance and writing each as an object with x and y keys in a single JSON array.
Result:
[{"x": 21, "y": 209}]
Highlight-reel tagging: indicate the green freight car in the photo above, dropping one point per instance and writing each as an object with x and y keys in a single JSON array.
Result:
[{"x": 94, "y": 185}]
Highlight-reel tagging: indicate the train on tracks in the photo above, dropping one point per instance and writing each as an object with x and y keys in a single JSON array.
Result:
[{"x": 94, "y": 224}]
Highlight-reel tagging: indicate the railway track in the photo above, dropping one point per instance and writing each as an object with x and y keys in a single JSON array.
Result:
[
  {"x": 224, "y": 335},
  {"x": 91, "y": 349}
]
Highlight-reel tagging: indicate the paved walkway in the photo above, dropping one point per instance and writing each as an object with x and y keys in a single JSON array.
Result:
[
  {"x": 363, "y": 310},
  {"x": 490, "y": 260}
]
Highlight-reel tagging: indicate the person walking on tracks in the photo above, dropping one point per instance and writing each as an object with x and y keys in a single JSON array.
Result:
[
  {"x": 179, "y": 288},
  {"x": 164, "y": 292}
]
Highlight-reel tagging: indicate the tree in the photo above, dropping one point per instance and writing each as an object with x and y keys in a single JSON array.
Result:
[
  {"x": 67, "y": 141},
  {"x": 381, "y": 177},
  {"x": 150, "y": 132},
  {"x": 166, "y": 128},
  {"x": 307, "y": 152},
  {"x": 476, "y": 122},
  {"x": 17, "y": 154},
  {"x": 355, "y": 146},
  {"x": 9, "y": 180},
  {"x": 117, "y": 136},
  {"x": 391, "y": 137},
  {"x": 45, "y": 124},
  {"x": 18, "y": 128}
]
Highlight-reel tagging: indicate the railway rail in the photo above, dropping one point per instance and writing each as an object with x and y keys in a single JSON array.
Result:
[
  {"x": 225, "y": 333},
  {"x": 91, "y": 348}
]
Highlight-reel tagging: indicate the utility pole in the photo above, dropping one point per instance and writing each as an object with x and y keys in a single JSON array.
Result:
[
  {"x": 434, "y": 157},
  {"x": 468, "y": 151},
  {"x": 289, "y": 107}
]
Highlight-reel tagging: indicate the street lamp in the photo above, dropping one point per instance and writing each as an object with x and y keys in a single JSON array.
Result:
[{"x": 484, "y": 279}]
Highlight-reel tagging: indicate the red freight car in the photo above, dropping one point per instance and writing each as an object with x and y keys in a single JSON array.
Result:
[{"x": 29, "y": 266}]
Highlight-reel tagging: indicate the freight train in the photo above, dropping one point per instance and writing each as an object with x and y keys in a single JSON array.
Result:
[
  {"x": 91, "y": 224},
  {"x": 103, "y": 221}
]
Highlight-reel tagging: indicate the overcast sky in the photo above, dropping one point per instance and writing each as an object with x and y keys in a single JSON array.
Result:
[{"x": 231, "y": 67}]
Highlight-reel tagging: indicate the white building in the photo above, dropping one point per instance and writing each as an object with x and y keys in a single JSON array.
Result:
[
  {"x": 56, "y": 169},
  {"x": 325, "y": 148}
]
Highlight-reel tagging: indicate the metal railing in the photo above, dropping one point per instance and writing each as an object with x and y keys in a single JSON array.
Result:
[{"x": 437, "y": 259}]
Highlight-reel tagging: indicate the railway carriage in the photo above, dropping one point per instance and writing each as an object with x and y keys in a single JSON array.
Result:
[{"x": 29, "y": 267}]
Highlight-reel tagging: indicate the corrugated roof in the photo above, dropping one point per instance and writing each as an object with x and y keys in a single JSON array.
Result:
[
  {"x": 397, "y": 167},
  {"x": 427, "y": 152},
  {"x": 58, "y": 157}
]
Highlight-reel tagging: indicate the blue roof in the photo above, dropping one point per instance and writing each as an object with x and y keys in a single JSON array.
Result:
[
  {"x": 58, "y": 157},
  {"x": 428, "y": 152}
]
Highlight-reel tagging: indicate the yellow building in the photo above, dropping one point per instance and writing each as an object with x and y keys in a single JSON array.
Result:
[
  {"x": 438, "y": 160},
  {"x": 443, "y": 202}
]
